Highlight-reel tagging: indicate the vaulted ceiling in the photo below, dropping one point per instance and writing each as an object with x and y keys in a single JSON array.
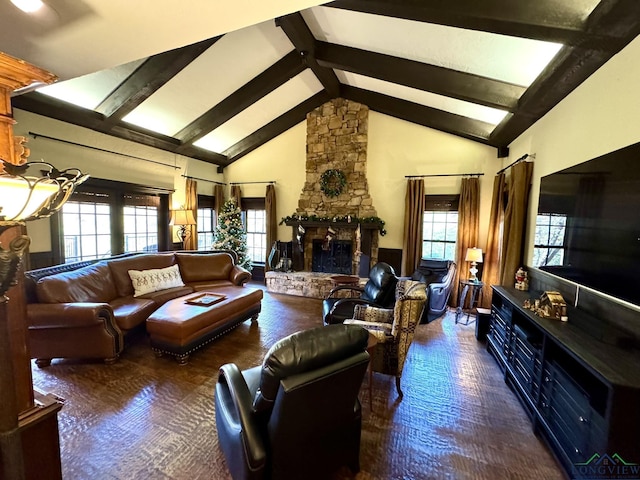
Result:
[{"x": 484, "y": 71}]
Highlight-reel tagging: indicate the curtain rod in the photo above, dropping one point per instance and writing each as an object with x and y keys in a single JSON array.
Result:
[
  {"x": 36, "y": 135},
  {"x": 526, "y": 155},
  {"x": 446, "y": 175},
  {"x": 273, "y": 182},
  {"x": 203, "y": 179}
]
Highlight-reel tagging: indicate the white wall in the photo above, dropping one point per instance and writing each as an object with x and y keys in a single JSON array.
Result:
[
  {"x": 600, "y": 116},
  {"x": 396, "y": 148}
]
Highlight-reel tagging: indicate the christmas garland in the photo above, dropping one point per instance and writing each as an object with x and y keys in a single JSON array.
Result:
[
  {"x": 332, "y": 182},
  {"x": 303, "y": 217}
]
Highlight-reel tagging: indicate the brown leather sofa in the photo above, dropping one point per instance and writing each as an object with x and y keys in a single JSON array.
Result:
[{"x": 85, "y": 309}]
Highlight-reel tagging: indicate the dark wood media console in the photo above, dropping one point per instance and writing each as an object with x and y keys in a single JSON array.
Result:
[{"x": 579, "y": 381}]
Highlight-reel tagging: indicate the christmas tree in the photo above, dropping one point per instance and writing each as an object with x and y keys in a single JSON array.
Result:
[{"x": 229, "y": 234}]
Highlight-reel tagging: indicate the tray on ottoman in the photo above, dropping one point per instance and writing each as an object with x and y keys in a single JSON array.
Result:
[{"x": 179, "y": 326}]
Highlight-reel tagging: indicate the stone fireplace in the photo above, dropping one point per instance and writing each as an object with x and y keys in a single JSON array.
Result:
[{"x": 337, "y": 135}]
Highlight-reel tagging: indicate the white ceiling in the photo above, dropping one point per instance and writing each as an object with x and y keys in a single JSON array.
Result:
[{"x": 73, "y": 38}]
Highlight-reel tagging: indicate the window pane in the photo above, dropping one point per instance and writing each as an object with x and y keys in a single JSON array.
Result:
[
  {"x": 439, "y": 234},
  {"x": 80, "y": 230}
]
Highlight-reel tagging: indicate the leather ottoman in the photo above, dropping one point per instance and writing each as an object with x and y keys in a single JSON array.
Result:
[{"x": 178, "y": 328}]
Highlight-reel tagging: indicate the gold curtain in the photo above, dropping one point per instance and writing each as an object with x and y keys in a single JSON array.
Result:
[
  {"x": 271, "y": 220},
  {"x": 491, "y": 265},
  {"x": 191, "y": 203},
  {"x": 468, "y": 221},
  {"x": 515, "y": 218},
  {"x": 413, "y": 218},
  {"x": 236, "y": 194},
  {"x": 218, "y": 193}
]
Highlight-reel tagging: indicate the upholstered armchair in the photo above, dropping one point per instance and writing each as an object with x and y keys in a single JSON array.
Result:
[
  {"x": 377, "y": 292},
  {"x": 438, "y": 275},
  {"x": 297, "y": 415},
  {"x": 393, "y": 328}
]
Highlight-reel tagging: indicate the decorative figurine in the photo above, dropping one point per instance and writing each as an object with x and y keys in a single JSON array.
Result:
[{"x": 522, "y": 280}]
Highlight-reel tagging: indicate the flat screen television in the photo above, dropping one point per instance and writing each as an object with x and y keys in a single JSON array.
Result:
[{"x": 588, "y": 225}]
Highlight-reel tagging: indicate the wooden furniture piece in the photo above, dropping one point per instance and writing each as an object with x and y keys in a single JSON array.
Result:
[
  {"x": 465, "y": 286},
  {"x": 578, "y": 381},
  {"x": 29, "y": 446}
]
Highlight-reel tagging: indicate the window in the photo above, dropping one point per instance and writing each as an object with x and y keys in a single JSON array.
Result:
[
  {"x": 105, "y": 218},
  {"x": 140, "y": 214},
  {"x": 549, "y": 242},
  {"x": 87, "y": 228},
  {"x": 440, "y": 227},
  {"x": 206, "y": 218},
  {"x": 255, "y": 221}
]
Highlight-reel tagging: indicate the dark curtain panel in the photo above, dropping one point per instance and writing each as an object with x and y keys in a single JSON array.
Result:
[
  {"x": 468, "y": 221},
  {"x": 218, "y": 193},
  {"x": 491, "y": 266},
  {"x": 236, "y": 194},
  {"x": 515, "y": 218},
  {"x": 413, "y": 218},
  {"x": 191, "y": 203},
  {"x": 271, "y": 220}
]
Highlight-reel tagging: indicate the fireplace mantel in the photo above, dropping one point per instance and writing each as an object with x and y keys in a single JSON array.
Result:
[{"x": 330, "y": 223}]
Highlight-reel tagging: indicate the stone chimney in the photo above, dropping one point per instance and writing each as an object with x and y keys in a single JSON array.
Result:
[{"x": 337, "y": 135}]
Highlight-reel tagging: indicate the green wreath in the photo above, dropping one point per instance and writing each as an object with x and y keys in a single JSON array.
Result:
[{"x": 332, "y": 182}]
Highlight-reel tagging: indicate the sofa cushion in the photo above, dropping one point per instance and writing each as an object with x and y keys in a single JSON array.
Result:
[
  {"x": 130, "y": 312},
  {"x": 120, "y": 268},
  {"x": 210, "y": 284},
  {"x": 147, "y": 281},
  {"x": 162, "y": 296},
  {"x": 199, "y": 267},
  {"x": 93, "y": 283}
]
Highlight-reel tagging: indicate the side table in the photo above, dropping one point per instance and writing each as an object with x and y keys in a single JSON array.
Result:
[
  {"x": 371, "y": 347},
  {"x": 464, "y": 287}
]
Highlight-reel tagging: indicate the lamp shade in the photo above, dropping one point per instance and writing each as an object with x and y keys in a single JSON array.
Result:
[
  {"x": 182, "y": 217},
  {"x": 26, "y": 197},
  {"x": 473, "y": 255}
]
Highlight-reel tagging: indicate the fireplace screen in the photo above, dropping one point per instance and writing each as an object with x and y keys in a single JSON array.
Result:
[{"x": 337, "y": 259}]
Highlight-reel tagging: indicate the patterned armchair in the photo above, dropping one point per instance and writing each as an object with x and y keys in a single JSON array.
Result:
[{"x": 394, "y": 328}]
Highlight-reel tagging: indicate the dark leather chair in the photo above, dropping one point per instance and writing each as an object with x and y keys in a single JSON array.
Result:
[
  {"x": 298, "y": 415},
  {"x": 379, "y": 291},
  {"x": 439, "y": 276}
]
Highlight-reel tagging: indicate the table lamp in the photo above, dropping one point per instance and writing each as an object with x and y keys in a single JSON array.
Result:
[
  {"x": 183, "y": 219},
  {"x": 474, "y": 255}
]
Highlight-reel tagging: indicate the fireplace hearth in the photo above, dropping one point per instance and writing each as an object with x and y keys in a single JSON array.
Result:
[{"x": 334, "y": 259}]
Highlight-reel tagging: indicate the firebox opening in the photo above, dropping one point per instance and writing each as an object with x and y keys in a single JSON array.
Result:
[{"x": 336, "y": 259}]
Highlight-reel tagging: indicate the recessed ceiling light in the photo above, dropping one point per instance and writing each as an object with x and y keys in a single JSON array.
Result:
[{"x": 28, "y": 6}]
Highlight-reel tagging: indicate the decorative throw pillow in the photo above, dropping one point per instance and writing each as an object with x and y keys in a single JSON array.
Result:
[
  {"x": 147, "y": 281},
  {"x": 373, "y": 314}
]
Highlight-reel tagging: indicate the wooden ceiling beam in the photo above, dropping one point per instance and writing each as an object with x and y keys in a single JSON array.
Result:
[
  {"x": 274, "y": 128},
  {"x": 458, "y": 125},
  {"x": 280, "y": 72},
  {"x": 570, "y": 67},
  {"x": 430, "y": 78},
  {"x": 50, "y": 107},
  {"x": 296, "y": 29},
  {"x": 547, "y": 20},
  {"x": 152, "y": 74}
]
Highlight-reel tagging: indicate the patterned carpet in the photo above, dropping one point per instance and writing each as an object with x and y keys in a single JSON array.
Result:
[{"x": 148, "y": 418}]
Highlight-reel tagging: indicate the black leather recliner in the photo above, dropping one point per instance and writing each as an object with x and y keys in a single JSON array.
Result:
[
  {"x": 439, "y": 276},
  {"x": 379, "y": 291},
  {"x": 298, "y": 415}
]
